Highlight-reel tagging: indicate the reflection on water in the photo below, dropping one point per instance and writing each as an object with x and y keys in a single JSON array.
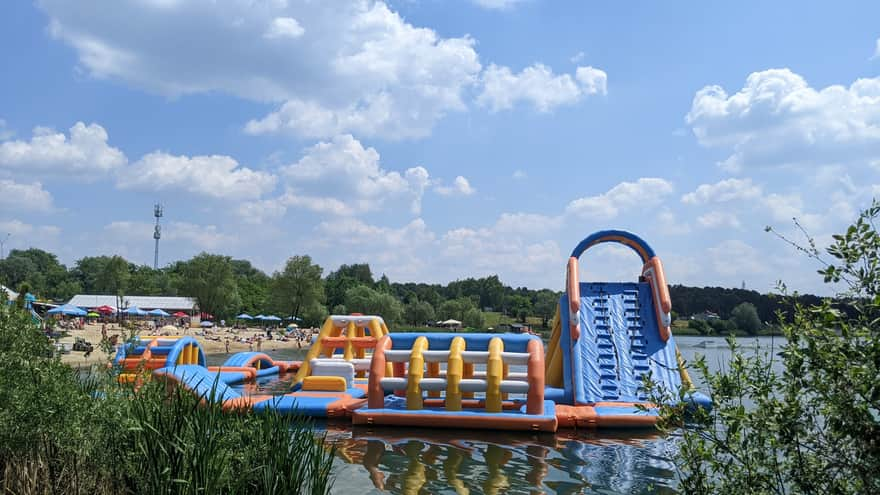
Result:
[{"x": 409, "y": 460}]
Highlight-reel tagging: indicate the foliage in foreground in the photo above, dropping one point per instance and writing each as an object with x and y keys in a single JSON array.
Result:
[
  {"x": 804, "y": 417},
  {"x": 56, "y": 437}
]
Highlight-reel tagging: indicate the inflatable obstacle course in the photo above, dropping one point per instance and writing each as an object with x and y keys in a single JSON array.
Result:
[{"x": 607, "y": 337}]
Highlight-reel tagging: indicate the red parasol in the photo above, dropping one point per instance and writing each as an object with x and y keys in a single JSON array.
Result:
[
  {"x": 179, "y": 314},
  {"x": 105, "y": 309}
]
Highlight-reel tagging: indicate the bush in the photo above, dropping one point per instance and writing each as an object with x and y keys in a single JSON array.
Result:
[
  {"x": 745, "y": 317},
  {"x": 57, "y": 437},
  {"x": 814, "y": 427}
]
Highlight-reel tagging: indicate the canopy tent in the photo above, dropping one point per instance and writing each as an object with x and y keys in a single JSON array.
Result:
[
  {"x": 105, "y": 309},
  {"x": 67, "y": 310},
  {"x": 158, "y": 312},
  {"x": 450, "y": 323},
  {"x": 244, "y": 316},
  {"x": 134, "y": 311},
  {"x": 179, "y": 314}
]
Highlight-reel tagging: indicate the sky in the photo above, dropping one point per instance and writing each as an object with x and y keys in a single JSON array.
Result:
[{"x": 438, "y": 140}]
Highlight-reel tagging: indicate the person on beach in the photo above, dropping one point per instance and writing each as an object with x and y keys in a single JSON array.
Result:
[
  {"x": 227, "y": 345},
  {"x": 259, "y": 343}
]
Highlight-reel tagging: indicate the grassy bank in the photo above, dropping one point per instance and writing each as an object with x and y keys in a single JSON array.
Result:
[{"x": 60, "y": 433}]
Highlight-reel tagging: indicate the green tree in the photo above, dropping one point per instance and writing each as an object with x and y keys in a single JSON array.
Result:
[
  {"x": 745, "y": 317},
  {"x": 253, "y": 286},
  {"x": 113, "y": 277},
  {"x": 546, "y": 302},
  {"x": 40, "y": 269},
  {"x": 362, "y": 299},
  {"x": 297, "y": 287},
  {"x": 208, "y": 278},
  {"x": 519, "y": 306},
  {"x": 418, "y": 312},
  {"x": 814, "y": 427},
  {"x": 345, "y": 277}
]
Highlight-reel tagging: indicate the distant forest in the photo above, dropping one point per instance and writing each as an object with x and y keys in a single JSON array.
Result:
[{"x": 225, "y": 287}]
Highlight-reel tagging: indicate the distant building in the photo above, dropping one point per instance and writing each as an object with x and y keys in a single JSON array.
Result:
[
  {"x": 168, "y": 304},
  {"x": 705, "y": 315}
]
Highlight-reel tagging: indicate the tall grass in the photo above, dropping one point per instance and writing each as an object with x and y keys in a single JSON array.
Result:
[{"x": 60, "y": 433}]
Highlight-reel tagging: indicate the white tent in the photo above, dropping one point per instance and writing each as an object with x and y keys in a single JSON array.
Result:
[{"x": 450, "y": 323}]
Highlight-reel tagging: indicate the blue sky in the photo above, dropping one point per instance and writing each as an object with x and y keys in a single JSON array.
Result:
[{"x": 441, "y": 139}]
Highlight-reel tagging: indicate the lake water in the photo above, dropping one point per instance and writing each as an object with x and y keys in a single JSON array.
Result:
[{"x": 408, "y": 460}]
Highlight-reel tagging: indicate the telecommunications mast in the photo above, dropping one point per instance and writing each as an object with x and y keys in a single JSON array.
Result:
[{"x": 157, "y": 234}]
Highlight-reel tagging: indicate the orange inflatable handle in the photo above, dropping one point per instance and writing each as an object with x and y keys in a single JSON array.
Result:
[
  {"x": 653, "y": 270},
  {"x": 573, "y": 289}
]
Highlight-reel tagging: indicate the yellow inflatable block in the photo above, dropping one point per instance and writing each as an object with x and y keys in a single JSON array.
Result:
[{"x": 324, "y": 384}]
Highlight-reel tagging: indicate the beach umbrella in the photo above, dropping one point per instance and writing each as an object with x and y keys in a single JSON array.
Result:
[
  {"x": 260, "y": 317},
  {"x": 92, "y": 314},
  {"x": 67, "y": 310},
  {"x": 272, "y": 318},
  {"x": 158, "y": 312},
  {"x": 244, "y": 316},
  {"x": 105, "y": 309},
  {"x": 179, "y": 314},
  {"x": 135, "y": 311},
  {"x": 206, "y": 324}
]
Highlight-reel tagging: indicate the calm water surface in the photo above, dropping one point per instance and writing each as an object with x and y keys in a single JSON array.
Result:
[{"x": 408, "y": 460}]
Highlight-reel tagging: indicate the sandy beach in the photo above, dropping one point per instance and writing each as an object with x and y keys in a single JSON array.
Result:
[{"x": 212, "y": 341}]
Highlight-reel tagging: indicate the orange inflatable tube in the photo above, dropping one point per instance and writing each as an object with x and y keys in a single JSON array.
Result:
[
  {"x": 377, "y": 372},
  {"x": 535, "y": 396},
  {"x": 573, "y": 289}
]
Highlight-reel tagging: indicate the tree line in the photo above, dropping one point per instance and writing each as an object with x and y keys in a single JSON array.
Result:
[{"x": 224, "y": 286}]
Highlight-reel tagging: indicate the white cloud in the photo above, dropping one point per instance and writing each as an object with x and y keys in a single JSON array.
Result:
[
  {"x": 734, "y": 258},
  {"x": 577, "y": 57},
  {"x": 877, "y": 49},
  {"x": 25, "y": 234},
  {"x": 343, "y": 169},
  {"x": 723, "y": 191},
  {"x": 25, "y": 197},
  {"x": 284, "y": 27},
  {"x": 84, "y": 153},
  {"x": 497, "y": 4},
  {"x": 520, "y": 175},
  {"x": 719, "y": 219},
  {"x": 778, "y": 119},
  {"x": 645, "y": 192},
  {"x": 213, "y": 176},
  {"x": 537, "y": 85},
  {"x": 195, "y": 237},
  {"x": 460, "y": 187},
  {"x": 352, "y": 66},
  {"x": 526, "y": 224}
]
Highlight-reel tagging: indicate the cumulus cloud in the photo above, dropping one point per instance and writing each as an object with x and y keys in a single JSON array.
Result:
[
  {"x": 284, "y": 27},
  {"x": 347, "y": 171},
  {"x": 539, "y": 86},
  {"x": 459, "y": 187},
  {"x": 213, "y": 176},
  {"x": 718, "y": 219},
  {"x": 723, "y": 191},
  {"x": 84, "y": 152},
  {"x": 645, "y": 192},
  {"x": 182, "y": 234},
  {"x": 333, "y": 67},
  {"x": 25, "y": 197},
  {"x": 26, "y": 235},
  {"x": 778, "y": 119}
]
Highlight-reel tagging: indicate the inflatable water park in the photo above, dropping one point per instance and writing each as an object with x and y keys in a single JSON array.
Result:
[{"x": 607, "y": 337}]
